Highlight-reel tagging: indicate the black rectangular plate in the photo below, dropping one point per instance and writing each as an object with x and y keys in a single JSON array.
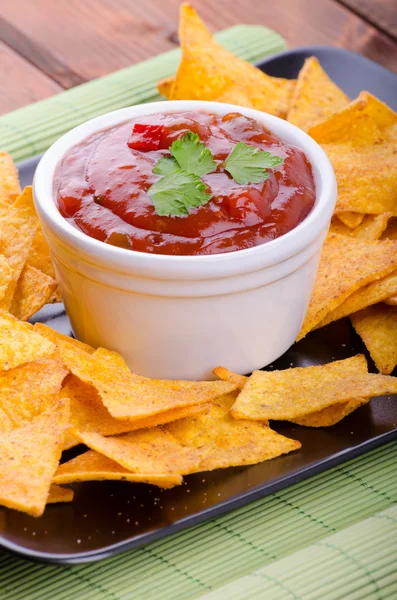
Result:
[{"x": 109, "y": 517}]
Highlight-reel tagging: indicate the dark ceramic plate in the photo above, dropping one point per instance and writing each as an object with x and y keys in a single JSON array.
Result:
[{"x": 107, "y": 518}]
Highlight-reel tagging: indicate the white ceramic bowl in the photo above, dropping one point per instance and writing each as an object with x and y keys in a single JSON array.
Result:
[{"x": 181, "y": 316}]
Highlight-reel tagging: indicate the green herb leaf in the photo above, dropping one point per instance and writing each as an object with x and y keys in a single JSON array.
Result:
[
  {"x": 247, "y": 164},
  {"x": 166, "y": 165},
  {"x": 192, "y": 154},
  {"x": 174, "y": 193}
]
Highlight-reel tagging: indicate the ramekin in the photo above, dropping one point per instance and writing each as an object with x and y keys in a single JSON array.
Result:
[{"x": 178, "y": 317}]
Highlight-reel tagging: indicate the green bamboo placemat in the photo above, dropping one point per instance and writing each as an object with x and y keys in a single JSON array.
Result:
[
  {"x": 31, "y": 130},
  {"x": 227, "y": 550},
  {"x": 282, "y": 546}
]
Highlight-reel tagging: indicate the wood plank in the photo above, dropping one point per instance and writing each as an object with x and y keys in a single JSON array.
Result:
[
  {"x": 21, "y": 83},
  {"x": 95, "y": 37},
  {"x": 380, "y": 13}
]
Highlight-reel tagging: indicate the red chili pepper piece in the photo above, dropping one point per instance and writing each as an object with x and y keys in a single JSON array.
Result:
[{"x": 145, "y": 137}]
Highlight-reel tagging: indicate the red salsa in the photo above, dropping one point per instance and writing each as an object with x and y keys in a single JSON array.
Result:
[{"x": 102, "y": 187}]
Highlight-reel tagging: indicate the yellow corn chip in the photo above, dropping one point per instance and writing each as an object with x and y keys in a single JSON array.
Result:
[
  {"x": 6, "y": 276},
  {"x": 88, "y": 414},
  {"x": 377, "y": 326},
  {"x": 9, "y": 181},
  {"x": 365, "y": 296},
  {"x": 392, "y": 301},
  {"x": 229, "y": 442},
  {"x": 350, "y": 219},
  {"x": 371, "y": 227},
  {"x": 361, "y": 147},
  {"x": 17, "y": 230},
  {"x": 164, "y": 87},
  {"x": 293, "y": 393},
  {"x": 390, "y": 232},
  {"x": 33, "y": 290},
  {"x": 92, "y": 466},
  {"x": 59, "y": 494},
  {"x": 346, "y": 265},
  {"x": 19, "y": 344},
  {"x": 59, "y": 339},
  {"x": 29, "y": 457},
  {"x": 28, "y": 390},
  {"x": 39, "y": 255},
  {"x": 316, "y": 97},
  {"x": 207, "y": 71},
  {"x": 147, "y": 451},
  {"x": 327, "y": 416},
  {"x": 129, "y": 396}
]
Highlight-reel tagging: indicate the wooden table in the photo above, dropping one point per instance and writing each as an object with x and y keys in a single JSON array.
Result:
[{"x": 47, "y": 46}]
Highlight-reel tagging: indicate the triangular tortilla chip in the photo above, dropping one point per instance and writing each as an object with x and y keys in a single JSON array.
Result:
[
  {"x": 148, "y": 451},
  {"x": 59, "y": 339},
  {"x": 371, "y": 227},
  {"x": 6, "y": 276},
  {"x": 316, "y": 97},
  {"x": 29, "y": 457},
  {"x": 33, "y": 290},
  {"x": 59, "y": 494},
  {"x": 129, "y": 396},
  {"x": 164, "y": 87},
  {"x": 346, "y": 264},
  {"x": 39, "y": 255},
  {"x": 28, "y": 390},
  {"x": 207, "y": 71},
  {"x": 17, "y": 230},
  {"x": 360, "y": 144},
  {"x": 19, "y": 343},
  {"x": 351, "y": 219},
  {"x": 88, "y": 414},
  {"x": 392, "y": 301},
  {"x": 365, "y": 296},
  {"x": 92, "y": 466},
  {"x": 229, "y": 442},
  {"x": 377, "y": 326},
  {"x": 293, "y": 393},
  {"x": 9, "y": 181}
]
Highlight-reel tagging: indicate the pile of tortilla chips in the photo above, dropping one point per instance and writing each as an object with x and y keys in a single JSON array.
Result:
[
  {"x": 57, "y": 392},
  {"x": 358, "y": 271},
  {"x": 27, "y": 279}
]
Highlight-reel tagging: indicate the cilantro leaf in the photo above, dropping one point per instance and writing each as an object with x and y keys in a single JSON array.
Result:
[
  {"x": 247, "y": 164},
  {"x": 176, "y": 192},
  {"x": 166, "y": 165},
  {"x": 192, "y": 154}
]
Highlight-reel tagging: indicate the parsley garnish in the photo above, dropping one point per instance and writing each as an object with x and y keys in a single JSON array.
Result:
[
  {"x": 180, "y": 186},
  {"x": 247, "y": 164}
]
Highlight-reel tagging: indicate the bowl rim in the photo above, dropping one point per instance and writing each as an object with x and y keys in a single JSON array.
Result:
[{"x": 229, "y": 263}]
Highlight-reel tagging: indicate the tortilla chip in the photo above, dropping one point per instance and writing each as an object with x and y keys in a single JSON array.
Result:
[
  {"x": 147, "y": 451},
  {"x": 293, "y": 393},
  {"x": 390, "y": 232},
  {"x": 88, "y": 414},
  {"x": 33, "y": 290},
  {"x": 92, "y": 466},
  {"x": 19, "y": 344},
  {"x": 392, "y": 301},
  {"x": 371, "y": 227},
  {"x": 39, "y": 255},
  {"x": 28, "y": 390},
  {"x": 351, "y": 219},
  {"x": 6, "y": 276},
  {"x": 29, "y": 457},
  {"x": 207, "y": 71},
  {"x": 129, "y": 396},
  {"x": 9, "y": 180},
  {"x": 223, "y": 373},
  {"x": 229, "y": 442},
  {"x": 365, "y": 296},
  {"x": 59, "y": 494},
  {"x": 377, "y": 326},
  {"x": 361, "y": 147},
  {"x": 316, "y": 97},
  {"x": 164, "y": 87},
  {"x": 17, "y": 230},
  {"x": 59, "y": 338}
]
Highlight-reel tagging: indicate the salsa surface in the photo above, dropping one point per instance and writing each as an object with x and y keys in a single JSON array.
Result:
[{"x": 101, "y": 187}]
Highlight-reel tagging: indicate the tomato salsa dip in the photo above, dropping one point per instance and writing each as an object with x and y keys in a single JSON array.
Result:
[{"x": 108, "y": 186}]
